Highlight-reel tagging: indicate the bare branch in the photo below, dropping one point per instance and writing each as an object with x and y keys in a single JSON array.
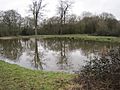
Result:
[
  {"x": 63, "y": 8},
  {"x": 36, "y": 8}
]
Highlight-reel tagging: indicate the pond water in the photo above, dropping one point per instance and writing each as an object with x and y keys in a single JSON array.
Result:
[{"x": 58, "y": 54}]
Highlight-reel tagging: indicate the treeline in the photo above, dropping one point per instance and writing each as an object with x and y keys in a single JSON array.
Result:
[
  {"x": 12, "y": 23},
  {"x": 104, "y": 24}
]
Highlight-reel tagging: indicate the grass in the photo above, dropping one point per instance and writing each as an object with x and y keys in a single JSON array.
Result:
[
  {"x": 14, "y": 77},
  {"x": 84, "y": 37}
]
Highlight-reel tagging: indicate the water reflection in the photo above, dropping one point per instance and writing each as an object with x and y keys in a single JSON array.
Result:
[
  {"x": 11, "y": 49},
  {"x": 63, "y": 62},
  {"x": 59, "y": 54},
  {"x": 37, "y": 60}
]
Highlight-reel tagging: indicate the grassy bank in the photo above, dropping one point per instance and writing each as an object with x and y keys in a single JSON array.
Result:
[
  {"x": 77, "y": 36},
  {"x": 13, "y": 77}
]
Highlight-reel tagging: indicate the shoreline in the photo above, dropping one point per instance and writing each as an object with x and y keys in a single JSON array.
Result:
[{"x": 109, "y": 39}]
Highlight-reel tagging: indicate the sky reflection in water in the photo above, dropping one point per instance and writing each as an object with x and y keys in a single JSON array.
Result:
[{"x": 50, "y": 54}]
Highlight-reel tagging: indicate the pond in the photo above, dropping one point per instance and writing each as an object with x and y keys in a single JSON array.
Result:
[{"x": 55, "y": 54}]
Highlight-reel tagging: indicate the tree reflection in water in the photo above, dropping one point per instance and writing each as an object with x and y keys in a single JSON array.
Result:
[
  {"x": 54, "y": 54},
  {"x": 37, "y": 60},
  {"x": 63, "y": 61},
  {"x": 11, "y": 49}
]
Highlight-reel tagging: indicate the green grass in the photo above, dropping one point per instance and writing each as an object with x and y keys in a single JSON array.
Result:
[
  {"x": 84, "y": 37},
  {"x": 14, "y": 77}
]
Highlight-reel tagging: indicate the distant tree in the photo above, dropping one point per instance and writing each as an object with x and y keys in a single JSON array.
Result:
[
  {"x": 110, "y": 21},
  {"x": 72, "y": 19},
  {"x": 102, "y": 28},
  {"x": 86, "y": 14},
  {"x": 63, "y": 8},
  {"x": 50, "y": 25},
  {"x": 1, "y": 23},
  {"x": 106, "y": 15},
  {"x": 1, "y": 16},
  {"x": 27, "y": 26},
  {"x": 88, "y": 24},
  {"x": 28, "y": 22},
  {"x": 12, "y": 19},
  {"x": 116, "y": 31},
  {"x": 37, "y": 9},
  {"x": 70, "y": 26}
]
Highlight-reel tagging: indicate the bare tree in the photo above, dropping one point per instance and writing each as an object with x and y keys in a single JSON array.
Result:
[
  {"x": 63, "y": 8},
  {"x": 36, "y": 8}
]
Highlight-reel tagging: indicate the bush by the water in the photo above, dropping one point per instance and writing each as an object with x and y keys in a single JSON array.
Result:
[{"x": 101, "y": 73}]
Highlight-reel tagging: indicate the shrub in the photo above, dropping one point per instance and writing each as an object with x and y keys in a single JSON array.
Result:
[{"x": 101, "y": 73}]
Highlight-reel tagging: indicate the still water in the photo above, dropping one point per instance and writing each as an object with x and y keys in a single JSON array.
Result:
[{"x": 57, "y": 54}]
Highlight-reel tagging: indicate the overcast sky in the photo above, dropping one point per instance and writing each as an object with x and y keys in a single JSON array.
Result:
[{"x": 94, "y": 6}]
